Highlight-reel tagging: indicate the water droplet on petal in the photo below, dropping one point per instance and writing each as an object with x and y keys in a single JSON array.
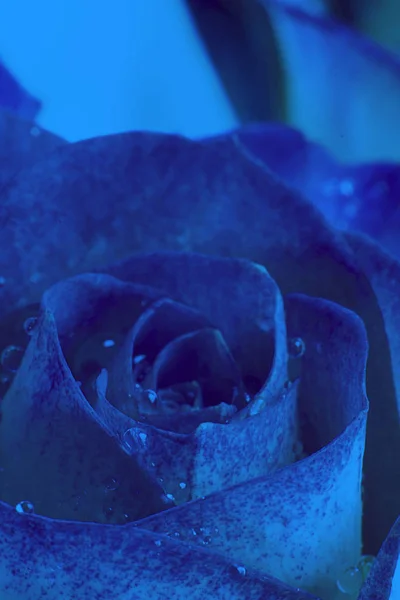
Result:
[
  {"x": 182, "y": 485},
  {"x": 296, "y": 347},
  {"x": 241, "y": 570},
  {"x": 30, "y": 324},
  {"x": 150, "y": 395},
  {"x": 143, "y": 437},
  {"x": 25, "y": 507},
  {"x": 138, "y": 359},
  {"x": 111, "y": 484},
  {"x": 108, "y": 511},
  {"x": 108, "y": 343},
  {"x": 170, "y": 497},
  {"x": 158, "y": 542},
  {"x": 128, "y": 443},
  {"x": 350, "y": 581},
  {"x": 11, "y": 358}
]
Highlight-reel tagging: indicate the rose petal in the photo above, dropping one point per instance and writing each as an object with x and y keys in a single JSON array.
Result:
[
  {"x": 57, "y": 454},
  {"x": 383, "y": 582},
  {"x": 301, "y": 524},
  {"x": 199, "y": 356},
  {"x": 41, "y": 558},
  {"x": 382, "y": 467},
  {"x": 331, "y": 370},
  {"x": 91, "y": 310},
  {"x": 245, "y": 305},
  {"x": 160, "y": 323},
  {"x": 212, "y": 200},
  {"x": 206, "y": 197}
]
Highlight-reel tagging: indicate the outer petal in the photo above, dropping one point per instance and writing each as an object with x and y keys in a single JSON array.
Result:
[
  {"x": 303, "y": 523},
  {"x": 382, "y": 475},
  {"x": 59, "y": 560},
  {"x": 57, "y": 454}
]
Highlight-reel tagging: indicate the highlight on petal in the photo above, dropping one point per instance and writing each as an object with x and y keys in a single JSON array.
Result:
[
  {"x": 383, "y": 582},
  {"x": 301, "y": 523},
  {"x": 56, "y": 453},
  {"x": 60, "y": 560}
]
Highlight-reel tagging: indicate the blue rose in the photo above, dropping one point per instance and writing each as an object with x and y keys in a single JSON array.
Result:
[
  {"x": 157, "y": 416},
  {"x": 200, "y": 357}
]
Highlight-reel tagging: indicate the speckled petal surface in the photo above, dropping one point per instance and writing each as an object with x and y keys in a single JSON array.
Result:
[
  {"x": 302, "y": 524},
  {"x": 59, "y": 560},
  {"x": 57, "y": 454}
]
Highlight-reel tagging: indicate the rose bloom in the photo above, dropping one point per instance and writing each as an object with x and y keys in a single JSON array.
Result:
[{"x": 200, "y": 354}]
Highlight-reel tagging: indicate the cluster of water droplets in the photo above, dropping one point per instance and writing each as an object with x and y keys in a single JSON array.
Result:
[{"x": 296, "y": 347}]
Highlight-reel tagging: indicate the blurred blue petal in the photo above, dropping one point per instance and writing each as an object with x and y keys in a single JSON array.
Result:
[
  {"x": 342, "y": 90},
  {"x": 14, "y": 97}
]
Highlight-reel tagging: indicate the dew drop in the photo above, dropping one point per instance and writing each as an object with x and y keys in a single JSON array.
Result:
[
  {"x": 30, "y": 324},
  {"x": 158, "y": 542},
  {"x": 170, "y": 497},
  {"x": 25, "y": 507},
  {"x": 128, "y": 442},
  {"x": 111, "y": 484},
  {"x": 182, "y": 485},
  {"x": 150, "y": 395},
  {"x": 108, "y": 511},
  {"x": 11, "y": 358},
  {"x": 296, "y": 347},
  {"x": 108, "y": 343},
  {"x": 350, "y": 581},
  {"x": 241, "y": 570},
  {"x": 138, "y": 359},
  {"x": 143, "y": 437}
]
